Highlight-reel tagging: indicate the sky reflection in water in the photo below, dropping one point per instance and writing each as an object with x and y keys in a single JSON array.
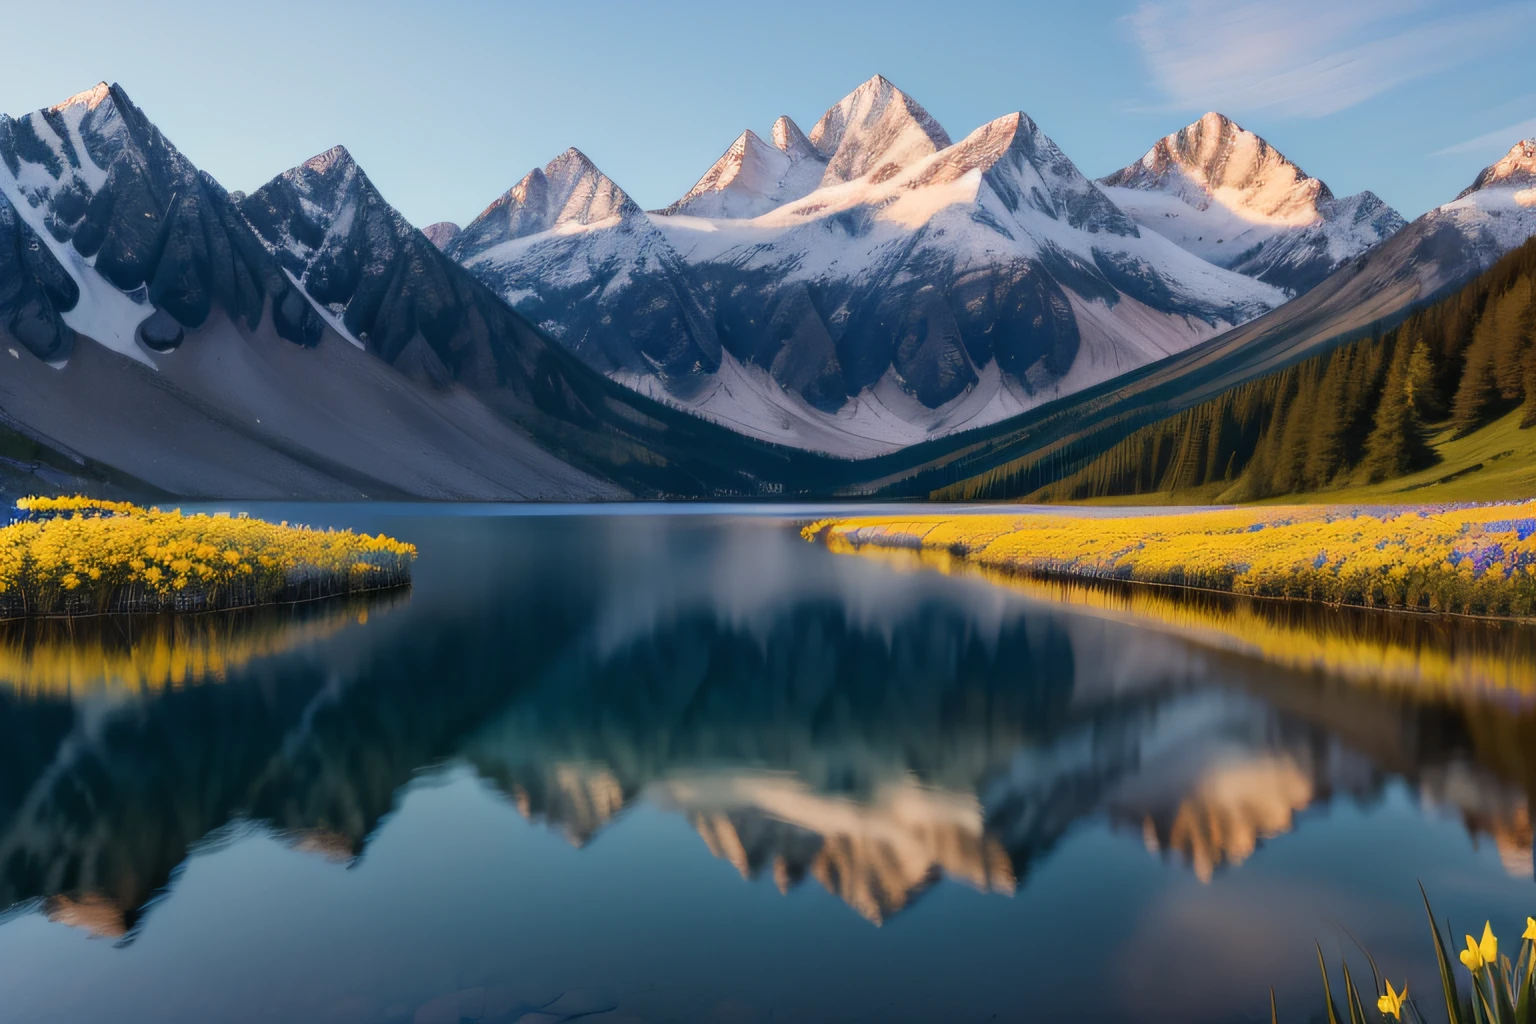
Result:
[{"x": 691, "y": 768}]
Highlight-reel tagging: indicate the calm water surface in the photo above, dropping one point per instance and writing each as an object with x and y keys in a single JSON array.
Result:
[{"x": 676, "y": 768}]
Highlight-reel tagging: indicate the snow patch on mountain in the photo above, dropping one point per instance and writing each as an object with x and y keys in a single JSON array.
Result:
[{"x": 879, "y": 419}]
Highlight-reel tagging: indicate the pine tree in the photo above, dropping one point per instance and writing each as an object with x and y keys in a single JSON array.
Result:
[
  {"x": 1528, "y": 415},
  {"x": 1397, "y": 444},
  {"x": 1422, "y": 396},
  {"x": 1477, "y": 397},
  {"x": 1504, "y": 321},
  {"x": 1330, "y": 422}
]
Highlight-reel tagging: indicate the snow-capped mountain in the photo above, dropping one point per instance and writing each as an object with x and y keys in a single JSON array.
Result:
[
  {"x": 167, "y": 337},
  {"x": 1438, "y": 252},
  {"x": 1229, "y": 197},
  {"x": 572, "y": 252},
  {"x": 1498, "y": 210},
  {"x": 754, "y": 177},
  {"x": 188, "y": 361},
  {"x": 867, "y": 286},
  {"x": 151, "y": 244}
]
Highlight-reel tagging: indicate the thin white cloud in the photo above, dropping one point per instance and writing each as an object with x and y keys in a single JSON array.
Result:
[
  {"x": 1311, "y": 57},
  {"x": 1500, "y": 139}
]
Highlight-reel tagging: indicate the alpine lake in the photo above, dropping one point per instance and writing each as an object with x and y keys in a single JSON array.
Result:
[{"x": 657, "y": 764}]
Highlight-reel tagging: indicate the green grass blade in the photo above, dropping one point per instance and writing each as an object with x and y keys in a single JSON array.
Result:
[
  {"x": 1274, "y": 1017},
  {"x": 1375, "y": 974},
  {"x": 1498, "y": 981},
  {"x": 1447, "y": 976},
  {"x": 1352, "y": 998},
  {"x": 1333, "y": 1011},
  {"x": 1481, "y": 1012}
]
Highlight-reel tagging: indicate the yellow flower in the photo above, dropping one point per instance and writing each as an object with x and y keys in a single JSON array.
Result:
[
  {"x": 1392, "y": 1002},
  {"x": 1479, "y": 954},
  {"x": 1530, "y": 928}
]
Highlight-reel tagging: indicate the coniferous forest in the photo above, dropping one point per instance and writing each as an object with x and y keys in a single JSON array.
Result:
[{"x": 1361, "y": 413}]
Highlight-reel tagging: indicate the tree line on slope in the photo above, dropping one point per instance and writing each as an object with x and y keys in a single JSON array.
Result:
[{"x": 1362, "y": 412}]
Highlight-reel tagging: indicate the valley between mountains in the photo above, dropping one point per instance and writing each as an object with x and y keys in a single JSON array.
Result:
[{"x": 868, "y": 307}]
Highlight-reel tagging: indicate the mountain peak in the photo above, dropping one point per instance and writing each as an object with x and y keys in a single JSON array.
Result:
[
  {"x": 567, "y": 191},
  {"x": 876, "y": 129},
  {"x": 1517, "y": 167},
  {"x": 788, "y": 137},
  {"x": 1218, "y": 190},
  {"x": 441, "y": 233},
  {"x": 752, "y": 177},
  {"x": 572, "y": 160},
  {"x": 1026, "y": 169},
  {"x": 324, "y": 163},
  {"x": 1215, "y": 155},
  {"x": 90, "y": 99}
]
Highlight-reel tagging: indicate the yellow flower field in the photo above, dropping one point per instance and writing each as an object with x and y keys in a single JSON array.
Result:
[
  {"x": 1466, "y": 559},
  {"x": 76, "y": 556}
]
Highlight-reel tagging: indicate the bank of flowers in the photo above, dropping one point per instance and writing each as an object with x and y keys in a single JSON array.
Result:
[
  {"x": 74, "y": 556},
  {"x": 1466, "y": 559}
]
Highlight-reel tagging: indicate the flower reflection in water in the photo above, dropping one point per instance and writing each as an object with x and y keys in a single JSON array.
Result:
[{"x": 148, "y": 653}]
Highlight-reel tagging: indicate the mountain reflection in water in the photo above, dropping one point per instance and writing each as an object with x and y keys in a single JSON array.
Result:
[{"x": 821, "y": 722}]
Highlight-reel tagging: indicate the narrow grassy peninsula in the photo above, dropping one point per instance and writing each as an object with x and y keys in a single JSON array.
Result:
[
  {"x": 1462, "y": 559},
  {"x": 78, "y": 556}
]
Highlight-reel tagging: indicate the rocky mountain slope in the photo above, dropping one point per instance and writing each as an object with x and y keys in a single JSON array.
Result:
[{"x": 866, "y": 286}]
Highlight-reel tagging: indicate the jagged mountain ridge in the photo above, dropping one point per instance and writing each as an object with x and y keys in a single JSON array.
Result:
[
  {"x": 1227, "y": 195},
  {"x": 902, "y": 297}
]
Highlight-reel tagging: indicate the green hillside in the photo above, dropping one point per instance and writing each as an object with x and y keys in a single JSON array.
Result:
[{"x": 1434, "y": 409}]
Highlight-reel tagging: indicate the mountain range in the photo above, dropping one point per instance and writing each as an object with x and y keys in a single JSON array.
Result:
[{"x": 867, "y": 307}]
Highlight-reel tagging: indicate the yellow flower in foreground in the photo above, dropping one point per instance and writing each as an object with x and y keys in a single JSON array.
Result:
[
  {"x": 1392, "y": 1002},
  {"x": 1479, "y": 954},
  {"x": 1530, "y": 928}
]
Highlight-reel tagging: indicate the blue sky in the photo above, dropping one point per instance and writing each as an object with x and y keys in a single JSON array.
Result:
[{"x": 447, "y": 104}]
